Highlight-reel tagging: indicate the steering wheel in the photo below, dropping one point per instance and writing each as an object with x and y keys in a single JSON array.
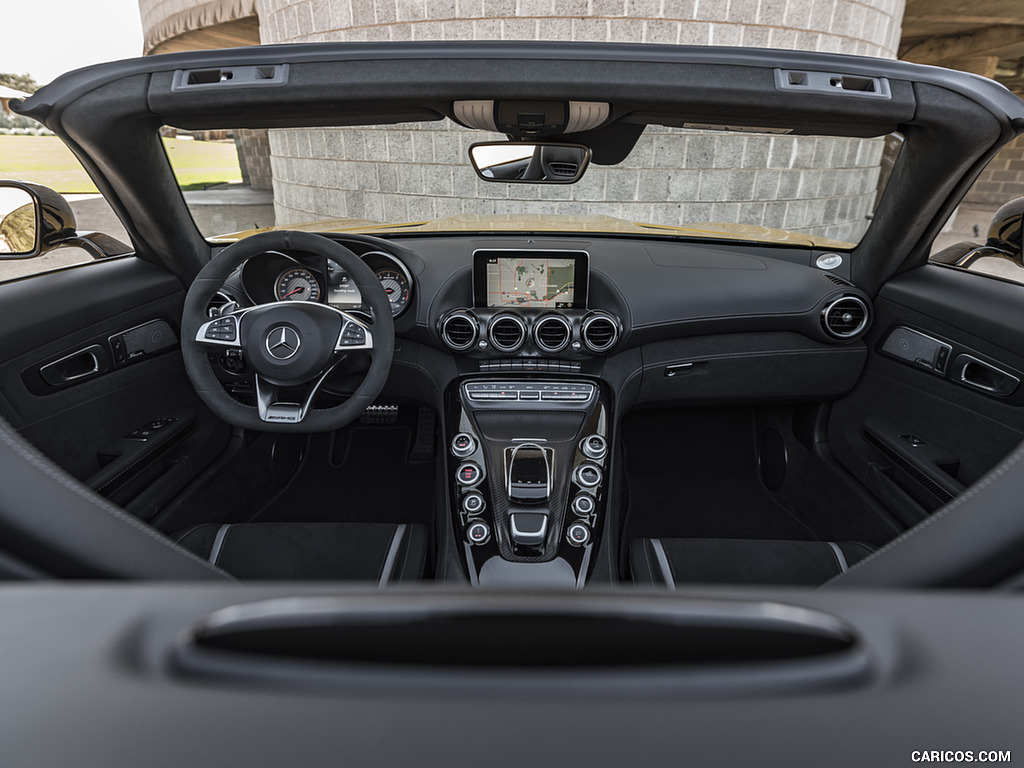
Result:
[{"x": 286, "y": 344}]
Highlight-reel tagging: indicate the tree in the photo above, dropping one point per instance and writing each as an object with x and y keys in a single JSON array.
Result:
[{"x": 23, "y": 82}]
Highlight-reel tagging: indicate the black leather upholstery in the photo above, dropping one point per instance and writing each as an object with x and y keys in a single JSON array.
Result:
[
  {"x": 375, "y": 552},
  {"x": 741, "y": 561}
]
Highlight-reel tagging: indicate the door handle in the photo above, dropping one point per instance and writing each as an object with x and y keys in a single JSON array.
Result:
[
  {"x": 91, "y": 361},
  {"x": 983, "y": 376}
]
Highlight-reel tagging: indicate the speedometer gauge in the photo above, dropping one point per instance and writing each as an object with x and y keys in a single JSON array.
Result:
[
  {"x": 396, "y": 286},
  {"x": 297, "y": 284}
]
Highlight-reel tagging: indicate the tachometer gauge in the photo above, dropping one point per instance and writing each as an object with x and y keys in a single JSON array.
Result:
[
  {"x": 396, "y": 286},
  {"x": 297, "y": 284}
]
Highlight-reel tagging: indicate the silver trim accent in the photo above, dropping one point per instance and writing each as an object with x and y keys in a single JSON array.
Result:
[
  {"x": 848, "y": 334},
  {"x": 286, "y": 413},
  {"x": 466, "y": 452},
  {"x": 500, "y": 318},
  {"x": 350, "y": 320},
  {"x": 402, "y": 268},
  {"x": 284, "y": 339},
  {"x": 663, "y": 566},
  {"x": 591, "y": 454},
  {"x": 463, "y": 314},
  {"x": 485, "y": 539},
  {"x": 476, "y": 482},
  {"x": 576, "y": 475},
  {"x": 571, "y": 540},
  {"x": 392, "y": 556},
  {"x": 589, "y": 321},
  {"x": 530, "y": 538},
  {"x": 233, "y": 343},
  {"x": 218, "y": 543},
  {"x": 543, "y": 320},
  {"x": 588, "y": 497},
  {"x": 474, "y": 495},
  {"x": 548, "y": 469},
  {"x": 968, "y": 359},
  {"x": 829, "y": 261},
  {"x": 82, "y": 352},
  {"x": 840, "y": 557}
]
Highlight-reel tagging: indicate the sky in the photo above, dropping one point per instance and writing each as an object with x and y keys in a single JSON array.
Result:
[{"x": 55, "y": 36}]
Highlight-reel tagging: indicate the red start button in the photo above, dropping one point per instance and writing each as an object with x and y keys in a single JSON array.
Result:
[{"x": 469, "y": 474}]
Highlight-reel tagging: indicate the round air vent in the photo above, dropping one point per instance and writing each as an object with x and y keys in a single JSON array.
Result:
[
  {"x": 459, "y": 330},
  {"x": 600, "y": 332},
  {"x": 845, "y": 317},
  {"x": 507, "y": 333},
  {"x": 552, "y": 333}
]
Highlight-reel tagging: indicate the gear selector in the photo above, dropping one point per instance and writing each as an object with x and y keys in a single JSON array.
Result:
[{"x": 528, "y": 487}]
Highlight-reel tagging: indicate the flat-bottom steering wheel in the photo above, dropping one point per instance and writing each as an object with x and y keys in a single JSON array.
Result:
[{"x": 293, "y": 344}]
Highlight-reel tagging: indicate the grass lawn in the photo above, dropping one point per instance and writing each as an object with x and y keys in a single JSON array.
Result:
[{"x": 45, "y": 160}]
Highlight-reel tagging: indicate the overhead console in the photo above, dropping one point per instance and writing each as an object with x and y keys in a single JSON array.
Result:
[{"x": 530, "y": 302}]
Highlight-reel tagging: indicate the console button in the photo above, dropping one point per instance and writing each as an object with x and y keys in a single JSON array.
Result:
[
  {"x": 473, "y": 503},
  {"x": 478, "y": 533},
  {"x": 594, "y": 447},
  {"x": 469, "y": 474},
  {"x": 463, "y": 445},
  {"x": 578, "y": 534},
  {"x": 587, "y": 476},
  {"x": 583, "y": 504}
]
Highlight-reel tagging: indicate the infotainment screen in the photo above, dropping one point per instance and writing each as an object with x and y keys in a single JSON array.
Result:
[{"x": 531, "y": 279}]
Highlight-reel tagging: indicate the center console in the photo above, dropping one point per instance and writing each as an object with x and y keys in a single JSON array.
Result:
[{"x": 528, "y": 460}]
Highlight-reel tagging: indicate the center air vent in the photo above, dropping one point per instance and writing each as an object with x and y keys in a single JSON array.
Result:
[
  {"x": 564, "y": 169},
  {"x": 507, "y": 333},
  {"x": 459, "y": 330},
  {"x": 845, "y": 317},
  {"x": 552, "y": 333},
  {"x": 600, "y": 332}
]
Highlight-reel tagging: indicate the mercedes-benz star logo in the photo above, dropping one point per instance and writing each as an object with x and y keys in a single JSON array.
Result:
[{"x": 283, "y": 342}]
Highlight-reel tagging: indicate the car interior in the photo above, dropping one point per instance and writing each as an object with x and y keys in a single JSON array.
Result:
[{"x": 510, "y": 419}]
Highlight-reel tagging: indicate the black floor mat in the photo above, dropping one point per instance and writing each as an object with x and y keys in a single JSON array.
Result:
[
  {"x": 359, "y": 474},
  {"x": 693, "y": 474}
]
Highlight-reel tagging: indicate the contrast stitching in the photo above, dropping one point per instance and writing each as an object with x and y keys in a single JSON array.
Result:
[
  {"x": 16, "y": 444},
  {"x": 981, "y": 485}
]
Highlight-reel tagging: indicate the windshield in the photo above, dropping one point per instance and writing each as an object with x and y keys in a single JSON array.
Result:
[{"x": 701, "y": 182}]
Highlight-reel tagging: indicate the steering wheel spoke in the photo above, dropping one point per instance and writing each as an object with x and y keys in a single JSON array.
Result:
[
  {"x": 221, "y": 332},
  {"x": 355, "y": 334},
  {"x": 274, "y": 411}
]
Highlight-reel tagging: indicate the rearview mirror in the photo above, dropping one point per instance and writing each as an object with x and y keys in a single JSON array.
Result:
[
  {"x": 542, "y": 163},
  {"x": 19, "y": 222}
]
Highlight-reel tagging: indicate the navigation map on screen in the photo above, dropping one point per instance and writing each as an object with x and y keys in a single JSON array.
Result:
[{"x": 530, "y": 282}]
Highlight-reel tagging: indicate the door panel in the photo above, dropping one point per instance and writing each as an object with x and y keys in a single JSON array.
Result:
[
  {"x": 91, "y": 373},
  {"x": 913, "y": 430}
]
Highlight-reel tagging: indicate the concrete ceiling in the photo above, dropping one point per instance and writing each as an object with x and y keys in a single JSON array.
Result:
[{"x": 983, "y": 36}]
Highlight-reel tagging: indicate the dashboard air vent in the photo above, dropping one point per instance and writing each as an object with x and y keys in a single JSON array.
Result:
[
  {"x": 836, "y": 280},
  {"x": 552, "y": 333},
  {"x": 507, "y": 333},
  {"x": 600, "y": 332},
  {"x": 459, "y": 330},
  {"x": 564, "y": 169},
  {"x": 845, "y": 317}
]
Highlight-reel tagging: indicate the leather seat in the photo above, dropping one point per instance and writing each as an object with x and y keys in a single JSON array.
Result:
[
  {"x": 741, "y": 561},
  {"x": 377, "y": 552}
]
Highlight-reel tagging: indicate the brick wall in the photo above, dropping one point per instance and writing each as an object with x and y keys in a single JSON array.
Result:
[
  {"x": 421, "y": 172},
  {"x": 254, "y": 158},
  {"x": 1003, "y": 179}
]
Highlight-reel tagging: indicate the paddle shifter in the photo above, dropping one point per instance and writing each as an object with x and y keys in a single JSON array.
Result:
[{"x": 528, "y": 488}]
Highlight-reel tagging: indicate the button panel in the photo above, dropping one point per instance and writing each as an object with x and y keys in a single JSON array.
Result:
[
  {"x": 222, "y": 329},
  {"x": 577, "y": 394}
]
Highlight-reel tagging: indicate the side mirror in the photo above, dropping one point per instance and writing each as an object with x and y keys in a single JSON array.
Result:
[
  {"x": 34, "y": 220},
  {"x": 541, "y": 163},
  {"x": 19, "y": 223}
]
